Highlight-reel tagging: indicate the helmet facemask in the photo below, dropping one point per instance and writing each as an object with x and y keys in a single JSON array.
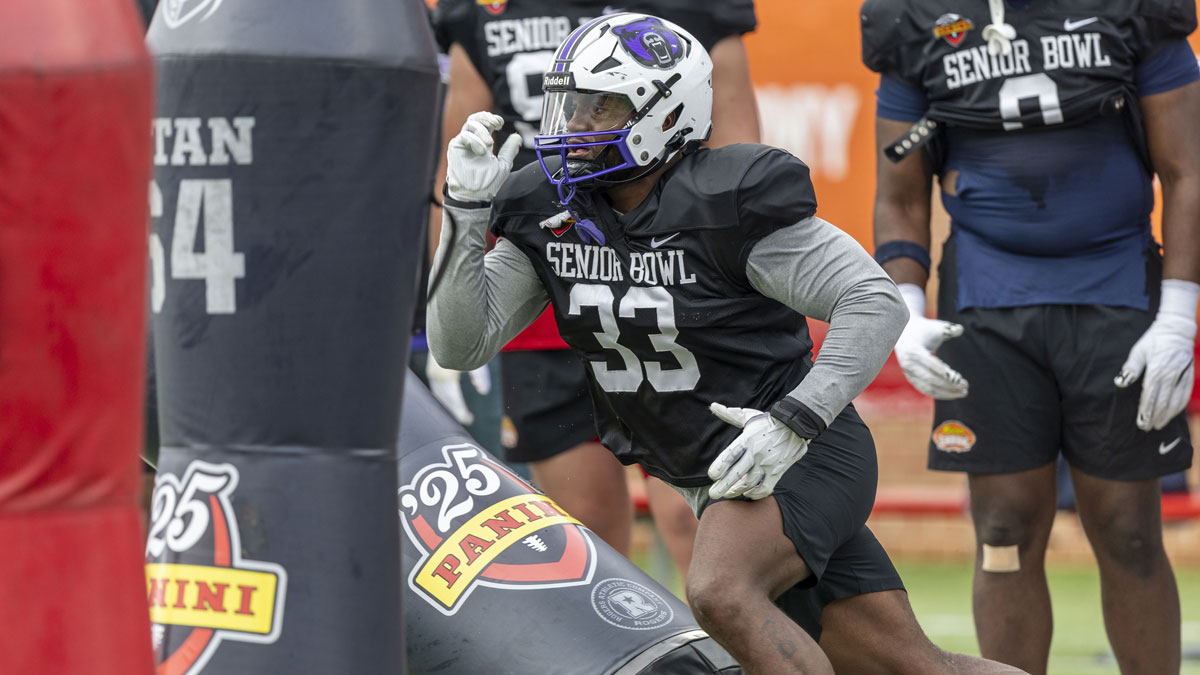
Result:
[{"x": 587, "y": 130}]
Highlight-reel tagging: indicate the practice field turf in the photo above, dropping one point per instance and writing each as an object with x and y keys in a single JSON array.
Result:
[{"x": 941, "y": 596}]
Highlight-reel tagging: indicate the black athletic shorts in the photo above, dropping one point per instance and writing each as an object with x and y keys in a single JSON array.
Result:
[
  {"x": 1042, "y": 382},
  {"x": 825, "y": 500},
  {"x": 547, "y": 400}
]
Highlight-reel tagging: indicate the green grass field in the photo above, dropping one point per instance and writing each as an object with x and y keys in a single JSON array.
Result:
[{"x": 941, "y": 597}]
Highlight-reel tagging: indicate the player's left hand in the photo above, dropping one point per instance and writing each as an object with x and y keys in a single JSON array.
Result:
[
  {"x": 446, "y": 387},
  {"x": 752, "y": 464},
  {"x": 1164, "y": 353}
]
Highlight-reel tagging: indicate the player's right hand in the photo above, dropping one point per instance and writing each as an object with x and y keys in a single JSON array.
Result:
[
  {"x": 914, "y": 350},
  {"x": 473, "y": 172}
]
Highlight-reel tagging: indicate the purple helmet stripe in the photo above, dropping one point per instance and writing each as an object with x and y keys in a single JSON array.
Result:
[{"x": 566, "y": 51}]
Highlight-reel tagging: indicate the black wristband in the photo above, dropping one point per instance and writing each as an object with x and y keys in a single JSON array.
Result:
[
  {"x": 799, "y": 418},
  {"x": 447, "y": 200},
  {"x": 900, "y": 248}
]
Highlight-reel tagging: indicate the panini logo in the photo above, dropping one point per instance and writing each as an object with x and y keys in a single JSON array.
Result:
[
  {"x": 558, "y": 81},
  {"x": 215, "y": 595},
  {"x": 953, "y": 436},
  {"x": 476, "y": 524}
]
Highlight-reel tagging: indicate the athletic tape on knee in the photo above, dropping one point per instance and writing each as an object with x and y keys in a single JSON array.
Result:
[{"x": 1001, "y": 559}]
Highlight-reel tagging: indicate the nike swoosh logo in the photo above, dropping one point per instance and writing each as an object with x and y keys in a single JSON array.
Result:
[
  {"x": 1164, "y": 448},
  {"x": 655, "y": 242},
  {"x": 1070, "y": 25}
]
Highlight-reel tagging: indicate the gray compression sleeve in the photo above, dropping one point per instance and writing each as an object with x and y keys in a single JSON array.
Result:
[
  {"x": 821, "y": 272},
  {"x": 484, "y": 299}
]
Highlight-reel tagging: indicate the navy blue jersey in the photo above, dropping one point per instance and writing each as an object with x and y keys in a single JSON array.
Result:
[
  {"x": 662, "y": 311},
  {"x": 1041, "y": 152},
  {"x": 511, "y": 43}
]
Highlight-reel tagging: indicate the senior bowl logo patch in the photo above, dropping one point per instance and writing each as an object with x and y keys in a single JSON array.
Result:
[
  {"x": 952, "y": 28},
  {"x": 217, "y": 595},
  {"x": 650, "y": 42},
  {"x": 476, "y": 525},
  {"x": 953, "y": 436},
  {"x": 559, "y": 223},
  {"x": 494, "y": 7}
]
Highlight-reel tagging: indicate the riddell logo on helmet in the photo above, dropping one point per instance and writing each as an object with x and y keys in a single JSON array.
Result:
[
  {"x": 953, "y": 436},
  {"x": 559, "y": 81}
]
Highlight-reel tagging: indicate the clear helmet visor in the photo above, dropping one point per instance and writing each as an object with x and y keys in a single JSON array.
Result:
[
  {"x": 586, "y": 131},
  {"x": 581, "y": 112}
]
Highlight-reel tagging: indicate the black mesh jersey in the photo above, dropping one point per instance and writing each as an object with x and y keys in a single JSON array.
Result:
[
  {"x": 511, "y": 43},
  {"x": 1071, "y": 59},
  {"x": 662, "y": 312}
]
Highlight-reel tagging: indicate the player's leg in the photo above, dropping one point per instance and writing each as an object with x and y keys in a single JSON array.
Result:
[
  {"x": 1115, "y": 469},
  {"x": 1013, "y": 515},
  {"x": 741, "y": 561},
  {"x": 1137, "y": 587},
  {"x": 675, "y": 522},
  {"x": 877, "y": 633},
  {"x": 589, "y": 483},
  {"x": 547, "y": 401},
  {"x": 1005, "y": 435},
  {"x": 748, "y": 554}
]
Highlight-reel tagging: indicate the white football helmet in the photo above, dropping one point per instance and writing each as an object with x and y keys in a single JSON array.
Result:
[{"x": 626, "y": 93}]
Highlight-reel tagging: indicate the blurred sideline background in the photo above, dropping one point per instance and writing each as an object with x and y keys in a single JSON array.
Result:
[{"x": 817, "y": 100}]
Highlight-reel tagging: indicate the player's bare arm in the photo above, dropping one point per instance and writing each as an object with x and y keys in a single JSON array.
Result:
[
  {"x": 902, "y": 197},
  {"x": 735, "y": 110},
  {"x": 1172, "y": 121},
  {"x": 1163, "y": 357}
]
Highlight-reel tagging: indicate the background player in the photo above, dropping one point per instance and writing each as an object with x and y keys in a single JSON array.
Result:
[
  {"x": 682, "y": 276},
  {"x": 1047, "y": 120},
  {"x": 498, "y": 54}
]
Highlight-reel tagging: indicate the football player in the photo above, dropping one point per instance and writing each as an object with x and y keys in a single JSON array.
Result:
[
  {"x": 498, "y": 53},
  {"x": 1064, "y": 327},
  {"x": 681, "y": 276}
]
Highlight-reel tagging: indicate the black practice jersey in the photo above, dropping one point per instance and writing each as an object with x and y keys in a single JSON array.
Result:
[
  {"x": 662, "y": 312},
  {"x": 1071, "y": 60},
  {"x": 511, "y": 43}
]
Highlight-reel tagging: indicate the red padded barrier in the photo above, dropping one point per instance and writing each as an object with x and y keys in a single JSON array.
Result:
[{"x": 75, "y": 107}]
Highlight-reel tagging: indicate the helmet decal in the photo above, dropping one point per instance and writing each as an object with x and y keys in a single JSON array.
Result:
[{"x": 650, "y": 42}]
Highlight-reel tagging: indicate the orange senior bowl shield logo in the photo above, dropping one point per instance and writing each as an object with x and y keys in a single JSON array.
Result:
[
  {"x": 217, "y": 595},
  {"x": 495, "y": 7},
  {"x": 476, "y": 524},
  {"x": 953, "y": 436},
  {"x": 952, "y": 28}
]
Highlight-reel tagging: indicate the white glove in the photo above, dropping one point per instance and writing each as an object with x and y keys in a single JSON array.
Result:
[
  {"x": 751, "y": 465},
  {"x": 446, "y": 387},
  {"x": 473, "y": 173},
  {"x": 914, "y": 350},
  {"x": 1165, "y": 353}
]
